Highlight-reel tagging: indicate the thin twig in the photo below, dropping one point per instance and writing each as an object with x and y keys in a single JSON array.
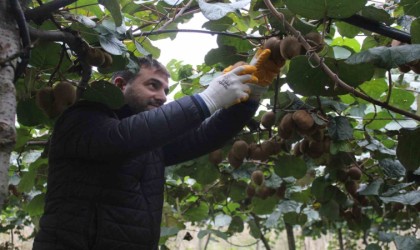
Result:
[
  {"x": 158, "y": 32},
  {"x": 262, "y": 238},
  {"x": 388, "y": 97}
]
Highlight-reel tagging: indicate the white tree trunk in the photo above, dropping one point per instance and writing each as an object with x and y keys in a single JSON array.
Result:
[{"x": 9, "y": 46}]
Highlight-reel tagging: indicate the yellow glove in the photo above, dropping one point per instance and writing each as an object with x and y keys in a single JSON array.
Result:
[
  {"x": 249, "y": 69},
  {"x": 267, "y": 69}
]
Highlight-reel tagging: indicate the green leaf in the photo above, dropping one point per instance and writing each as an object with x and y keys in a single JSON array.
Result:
[
  {"x": 264, "y": 206},
  {"x": 318, "y": 188},
  {"x": 241, "y": 45},
  {"x": 373, "y": 188},
  {"x": 237, "y": 190},
  {"x": 347, "y": 30},
  {"x": 29, "y": 114},
  {"x": 350, "y": 43},
  {"x": 288, "y": 165},
  {"x": 222, "y": 24},
  {"x": 303, "y": 196},
  {"x": 373, "y": 246},
  {"x": 254, "y": 230},
  {"x": 225, "y": 55},
  {"x": 408, "y": 148},
  {"x": 400, "y": 98},
  {"x": 409, "y": 198},
  {"x": 411, "y": 7},
  {"x": 396, "y": 188},
  {"x": 376, "y": 14},
  {"x": 377, "y": 120},
  {"x": 415, "y": 31},
  {"x": 46, "y": 55},
  {"x": 113, "y": 6},
  {"x": 236, "y": 225},
  {"x": 330, "y": 210},
  {"x": 218, "y": 10},
  {"x": 105, "y": 93},
  {"x": 387, "y": 57},
  {"x": 374, "y": 88},
  {"x": 318, "y": 9},
  {"x": 407, "y": 242},
  {"x": 168, "y": 231},
  {"x": 27, "y": 182},
  {"x": 197, "y": 213},
  {"x": 36, "y": 206},
  {"x": 294, "y": 218},
  {"x": 340, "y": 129},
  {"x": 392, "y": 168},
  {"x": 111, "y": 44}
]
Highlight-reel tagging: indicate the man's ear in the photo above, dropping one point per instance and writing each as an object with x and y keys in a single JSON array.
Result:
[{"x": 120, "y": 82}]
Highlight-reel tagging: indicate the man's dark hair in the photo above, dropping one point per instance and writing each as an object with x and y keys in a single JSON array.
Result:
[{"x": 143, "y": 62}]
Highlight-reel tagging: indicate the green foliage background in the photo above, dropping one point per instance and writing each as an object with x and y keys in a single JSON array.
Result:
[{"x": 384, "y": 144}]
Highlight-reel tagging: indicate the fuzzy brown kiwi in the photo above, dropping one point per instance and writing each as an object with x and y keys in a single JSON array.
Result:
[
  {"x": 290, "y": 47},
  {"x": 404, "y": 68},
  {"x": 45, "y": 101},
  {"x": 303, "y": 119},
  {"x": 268, "y": 147},
  {"x": 240, "y": 149},
  {"x": 315, "y": 40},
  {"x": 264, "y": 192},
  {"x": 327, "y": 144},
  {"x": 355, "y": 173},
  {"x": 351, "y": 187},
  {"x": 281, "y": 191},
  {"x": 257, "y": 177},
  {"x": 268, "y": 119},
  {"x": 315, "y": 149},
  {"x": 107, "y": 61},
  {"x": 416, "y": 68},
  {"x": 233, "y": 161},
  {"x": 318, "y": 135},
  {"x": 64, "y": 93},
  {"x": 341, "y": 175},
  {"x": 250, "y": 191},
  {"x": 307, "y": 132},
  {"x": 216, "y": 157},
  {"x": 273, "y": 43},
  {"x": 257, "y": 153},
  {"x": 286, "y": 126},
  {"x": 304, "y": 146},
  {"x": 95, "y": 57}
]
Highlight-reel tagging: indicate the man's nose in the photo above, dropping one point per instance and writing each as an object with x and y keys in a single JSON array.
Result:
[{"x": 161, "y": 97}]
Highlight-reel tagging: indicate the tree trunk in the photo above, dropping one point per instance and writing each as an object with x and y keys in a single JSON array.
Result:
[{"x": 9, "y": 47}]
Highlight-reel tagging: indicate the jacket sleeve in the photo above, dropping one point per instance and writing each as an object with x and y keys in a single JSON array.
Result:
[
  {"x": 96, "y": 133},
  {"x": 211, "y": 134}
]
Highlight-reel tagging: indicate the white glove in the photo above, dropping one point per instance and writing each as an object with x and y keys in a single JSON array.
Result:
[{"x": 229, "y": 88}]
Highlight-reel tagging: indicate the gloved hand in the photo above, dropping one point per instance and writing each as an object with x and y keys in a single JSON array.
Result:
[
  {"x": 229, "y": 88},
  {"x": 267, "y": 69}
]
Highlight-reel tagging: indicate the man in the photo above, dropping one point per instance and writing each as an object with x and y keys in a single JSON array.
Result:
[{"x": 106, "y": 167}]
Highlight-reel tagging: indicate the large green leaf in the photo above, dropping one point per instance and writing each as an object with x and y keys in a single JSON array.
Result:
[
  {"x": 288, "y": 165},
  {"x": 236, "y": 225},
  {"x": 294, "y": 218},
  {"x": 215, "y": 11},
  {"x": 400, "y": 98},
  {"x": 264, "y": 206},
  {"x": 222, "y": 24},
  {"x": 318, "y": 9},
  {"x": 104, "y": 92},
  {"x": 241, "y": 45},
  {"x": 36, "y": 206},
  {"x": 318, "y": 188},
  {"x": 198, "y": 212},
  {"x": 46, "y": 55},
  {"x": 340, "y": 129},
  {"x": 376, "y": 14},
  {"x": 409, "y": 198},
  {"x": 347, "y": 30},
  {"x": 411, "y": 7},
  {"x": 377, "y": 120},
  {"x": 374, "y": 88},
  {"x": 387, "y": 57},
  {"x": 29, "y": 114},
  {"x": 415, "y": 31},
  {"x": 408, "y": 149},
  {"x": 407, "y": 242},
  {"x": 330, "y": 210},
  {"x": 113, "y": 6},
  {"x": 225, "y": 55},
  {"x": 373, "y": 188}
]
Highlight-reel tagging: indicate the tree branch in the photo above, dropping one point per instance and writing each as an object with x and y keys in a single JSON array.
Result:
[
  {"x": 157, "y": 32},
  {"x": 329, "y": 72},
  {"x": 39, "y": 14},
  {"x": 262, "y": 238}
]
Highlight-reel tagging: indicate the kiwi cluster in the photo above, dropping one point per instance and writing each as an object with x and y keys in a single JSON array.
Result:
[
  {"x": 406, "y": 67},
  {"x": 289, "y": 46},
  {"x": 54, "y": 100},
  {"x": 315, "y": 142},
  {"x": 258, "y": 188},
  {"x": 98, "y": 57}
]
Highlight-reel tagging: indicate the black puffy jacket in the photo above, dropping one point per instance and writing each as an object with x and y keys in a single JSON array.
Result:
[{"x": 106, "y": 170}]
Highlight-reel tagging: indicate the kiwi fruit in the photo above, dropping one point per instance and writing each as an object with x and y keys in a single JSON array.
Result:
[
  {"x": 250, "y": 191},
  {"x": 269, "y": 147},
  {"x": 45, "y": 101},
  {"x": 273, "y": 43},
  {"x": 415, "y": 68},
  {"x": 286, "y": 126},
  {"x": 355, "y": 173},
  {"x": 327, "y": 144},
  {"x": 303, "y": 119},
  {"x": 64, "y": 93},
  {"x": 257, "y": 177},
  {"x": 264, "y": 192},
  {"x": 216, "y": 157},
  {"x": 413, "y": 63},
  {"x": 404, "y": 68},
  {"x": 95, "y": 57},
  {"x": 257, "y": 153},
  {"x": 233, "y": 161},
  {"x": 318, "y": 135},
  {"x": 107, "y": 61},
  {"x": 351, "y": 187},
  {"x": 240, "y": 149},
  {"x": 341, "y": 175},
  {"x": 315, "y": 149},
  {"x": 304, "y": 146},
  {"x": 281, "y": 191},
  {"x": 314, "y": 38},
  {"x": 290, "y": 47},
  {"x": 268, "y": 119}
]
